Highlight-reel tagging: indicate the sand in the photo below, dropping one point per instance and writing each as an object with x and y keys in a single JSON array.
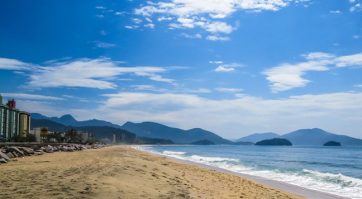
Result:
[{"x": 122, "y": 172}]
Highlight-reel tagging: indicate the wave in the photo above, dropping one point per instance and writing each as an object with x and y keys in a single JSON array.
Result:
[
  {"x": 212, "y": 159},
  {"x": 337, "y": 184},
  {"x": 340, "y": 179},
  {"x": 173, "y": 153}
]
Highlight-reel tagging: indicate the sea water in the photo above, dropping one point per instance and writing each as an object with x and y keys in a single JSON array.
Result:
[{"x": 334, "y": 170}]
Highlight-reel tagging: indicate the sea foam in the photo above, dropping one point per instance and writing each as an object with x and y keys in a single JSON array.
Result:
[{"x": 336, "y": 184}]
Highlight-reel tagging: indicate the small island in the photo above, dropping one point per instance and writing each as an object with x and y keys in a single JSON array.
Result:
[
  {"x": 274, "y": 142},
  {"x": 332, "y": 143}
]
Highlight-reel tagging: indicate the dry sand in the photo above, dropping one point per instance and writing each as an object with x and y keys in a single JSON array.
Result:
[{"x": 121, "y": 172}]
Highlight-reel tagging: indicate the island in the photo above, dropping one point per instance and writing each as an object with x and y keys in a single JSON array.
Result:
[
  {"x": 332, "y": 143},
  {"x": 274, "y": 142}
]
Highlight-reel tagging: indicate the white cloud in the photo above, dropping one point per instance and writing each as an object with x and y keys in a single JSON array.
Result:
[
  {"x": 209, "y": 15},
  {"x": 159, "y": 78},
  {"x": 216, "y": 62},
  {"x": 100, "y": 7},
  {"x": 199, "y": 90},
  {"x": 217, "y": 38},
  {"x": 288, "y": 76},
  {"x": 152, "y": 88},
  {"x": 189, "y": 36},
  {"x": 167, "y": 99},
  {"x": 13, "y": 64},
  {"x": 355, "y": 6},
  {"x": 137, "y": 20},
  {"x": 331, "y": 111},
  {"x": 131, "y": 27},
  {"x": 318, "y": 55},
  {"x": 219, "y": 27},
  {"x": 25, "y": 96},
  {"x": 335, "y": 12},
  {"x": 358, "y": 85},
  {"x": 349, "y": 60},
  {"x": 144, "y": 87},
  {"x": 162, "y": 18},
  {"x": 213, "y": 8},
  {"x": 150, "y": 25},
  {"x": 227, "y": 67},
  {"x": 86, "y": 73},
  {"x": 229, "y": 90},
  {"x": 224, "y": 69},
  {"x": 100, "y": 44},
  {"x": 119, "y": 13}
]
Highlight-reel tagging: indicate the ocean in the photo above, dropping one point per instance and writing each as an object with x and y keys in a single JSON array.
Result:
[{"x": 334, "y": 170}]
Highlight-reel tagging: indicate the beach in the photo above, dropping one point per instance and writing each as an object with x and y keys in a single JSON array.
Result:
[{"x": 122, "y": 172}]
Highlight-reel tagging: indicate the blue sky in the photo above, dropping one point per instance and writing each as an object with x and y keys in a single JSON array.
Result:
[{"x": 232, "y": 67}]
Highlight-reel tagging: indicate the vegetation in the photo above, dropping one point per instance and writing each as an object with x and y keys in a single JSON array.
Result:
[
  {"x": 332, "y": 143},
  {"x": 275, "y": 142}
]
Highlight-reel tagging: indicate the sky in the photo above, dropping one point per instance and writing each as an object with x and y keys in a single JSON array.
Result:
[{"x": 233, "y": 67}]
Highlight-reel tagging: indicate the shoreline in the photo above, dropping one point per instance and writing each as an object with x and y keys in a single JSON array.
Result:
[
  {"x": 283, "y": 186},
  {"x": 123, "y": 172}
]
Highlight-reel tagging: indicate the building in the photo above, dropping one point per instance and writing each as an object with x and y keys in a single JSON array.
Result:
[
  {"x": 84, "y": 137},
  {"x": 13, "y": 122},
  {"x": 24, "y": 124},
  {"x": 41, "y": 134}
]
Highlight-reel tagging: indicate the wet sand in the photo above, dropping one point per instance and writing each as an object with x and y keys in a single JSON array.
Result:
[{"x": 123, "y": 172}]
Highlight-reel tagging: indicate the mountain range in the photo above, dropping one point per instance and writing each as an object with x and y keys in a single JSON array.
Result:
[
  {"x": 154, "y": 130},
  {"x": 256, "y": 137},
  {"x": 144, "y": 129},
  {"x": 104, "y": 133},
  {"x": 69, "y": 120},
  {"x": 314, "y": 137}
]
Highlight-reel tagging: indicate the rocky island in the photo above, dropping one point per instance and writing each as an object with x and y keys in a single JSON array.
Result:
[
  {"x": 274, "y": 142},
  {"x": 332, "y": 143}
]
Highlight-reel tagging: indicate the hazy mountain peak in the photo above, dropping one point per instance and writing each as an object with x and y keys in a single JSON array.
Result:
[
  {"x": 156, "y": 130},
  {"x": 317, "y": 136},
  {"x": 68, "y": 117},
  {"x": 256, "y": 137}
]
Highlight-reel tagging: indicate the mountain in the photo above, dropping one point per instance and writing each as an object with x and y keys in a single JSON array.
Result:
[
  {"x": 256, "y": 137},
  {"x": 203, "y": 142},
  {"x": 52, "y": 126},
  {"x": 145, "y": 129},
  {"x": 274, "y": 142},
  {"x": 69, "y": 120},
  {"x": 65, "y": 119},
  {"x": 100, "y": 132},
  {"x": 155, "y": 130},
  {"x": 38, "y": 116},
  {"x": 319, "y": 137}
]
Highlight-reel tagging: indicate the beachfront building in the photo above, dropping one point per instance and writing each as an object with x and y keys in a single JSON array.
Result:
[
  {"x": 13, "y": 122},
  {"x": 41, "y": 134},
  {"x": 24, "y": 124}
]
